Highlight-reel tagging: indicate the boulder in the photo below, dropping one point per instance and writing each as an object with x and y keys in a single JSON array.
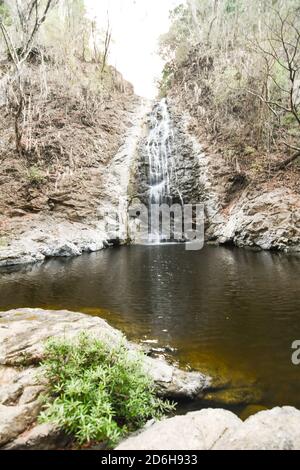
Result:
[
  {"x": 216, "y": 429},
  {"x": 199, "y": 430},
  {"x": 14, "y": 420},
  {"x": 276, "y": 429},
  {"x": 41, "y": 437},
  {"x": 23, "y": 333}
]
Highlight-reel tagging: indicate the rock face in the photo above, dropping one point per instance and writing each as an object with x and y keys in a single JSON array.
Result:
[
  {"x": 32, "y": 238},
  {"x": 260, "y": 216},
  {"x": 268, "y": 219},
  {"x": 22, "y": 336},
  {"x": 213, "y": 429},
  {"x": 181, "y": 168},
  {"x": 39, "y": 238}
]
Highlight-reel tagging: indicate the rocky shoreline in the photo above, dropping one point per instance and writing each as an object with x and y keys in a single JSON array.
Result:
[
  {"x": 22, "y": 336},
  {"x": 23, "y": 333}
]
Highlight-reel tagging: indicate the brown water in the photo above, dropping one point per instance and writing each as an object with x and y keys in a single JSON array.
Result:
[{"x": 231, "y": 312}]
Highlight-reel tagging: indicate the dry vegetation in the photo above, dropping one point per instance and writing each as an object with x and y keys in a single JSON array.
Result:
[
  {"x": 63, "y": 109},
  {"x": 235, "y": 65}
]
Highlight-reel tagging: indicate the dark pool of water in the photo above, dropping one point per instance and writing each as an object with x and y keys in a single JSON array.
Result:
[{"x": 231, "y": 312}]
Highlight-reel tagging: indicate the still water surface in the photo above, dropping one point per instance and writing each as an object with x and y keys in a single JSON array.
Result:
[{"x": 231, "y": 312}]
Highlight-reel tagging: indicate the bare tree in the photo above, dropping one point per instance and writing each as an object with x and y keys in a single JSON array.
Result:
[
  {"x": 107, "y": 43},
  {"x": 31, "y": 14},
  {"x": 280, "y": 51}
]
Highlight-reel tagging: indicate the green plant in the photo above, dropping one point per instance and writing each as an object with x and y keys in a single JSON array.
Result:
[
  {"x": 34, "y": 176},
  {"x": 97, "y": 393}
]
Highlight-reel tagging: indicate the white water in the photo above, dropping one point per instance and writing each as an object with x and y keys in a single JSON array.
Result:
[{"x": 160, "y": 152}]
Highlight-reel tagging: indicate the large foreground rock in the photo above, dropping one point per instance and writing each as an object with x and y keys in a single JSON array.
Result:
[
  {"x": 213, "y": 429},
  {"x": 23, "y": 333},
  {"x": 276, "y": 429},
  {"x": 199, "y": 430}
]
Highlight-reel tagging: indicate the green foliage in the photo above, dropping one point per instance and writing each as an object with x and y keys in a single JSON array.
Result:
[
  {"x": 4, "y": 13},
  {"x": 97, "y": 393},
  {"x": 34, "y": 176},
  {"x": 175, "y": 43},
  {"x": 231, "y": 6},
  {"x": 166, "y": 80}
]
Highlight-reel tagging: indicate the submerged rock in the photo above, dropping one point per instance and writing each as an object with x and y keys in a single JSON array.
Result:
[
  {"x": 215, "y": 429},
  {"x": 234, "y": 396}
]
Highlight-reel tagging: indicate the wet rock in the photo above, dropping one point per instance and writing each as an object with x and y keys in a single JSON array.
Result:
[
  {"x": 234, "y": 396},
  {"x": 175, "y": 383}
]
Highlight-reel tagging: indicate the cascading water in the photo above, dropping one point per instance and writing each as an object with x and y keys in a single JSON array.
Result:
[
  {"x": 160, "y": 148},
  {"x": 159, "y": 151}
]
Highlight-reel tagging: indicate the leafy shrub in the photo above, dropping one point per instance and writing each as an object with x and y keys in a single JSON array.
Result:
[{"x": 96, "y": 393}]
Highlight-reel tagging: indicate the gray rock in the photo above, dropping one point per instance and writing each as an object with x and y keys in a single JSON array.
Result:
[
  {"x": 10, "y": 393},
  {"x": 268, "y": 219},
  {"x": 14, "y": 420},
  {"x": 277, "y": 429},
  {"x": 248, "y": 216},
  {"x": 31, "y": 394},
  {"x": 213, "y": 429},
  {"x": 41, "y": 437},
  {"x": 63, "y": 250},
  {"x": 199, "y": 430},
  {"x": 50, "y": 237}
]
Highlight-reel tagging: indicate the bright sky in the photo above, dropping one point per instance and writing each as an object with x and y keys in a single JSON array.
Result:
[{"x": 136, "y": 27}]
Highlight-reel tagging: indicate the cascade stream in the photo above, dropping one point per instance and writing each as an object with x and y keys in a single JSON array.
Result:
[{"x": 160, "y": 150}]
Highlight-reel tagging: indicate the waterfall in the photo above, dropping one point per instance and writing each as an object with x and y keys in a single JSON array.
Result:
[{"x": 160, "y": 150}]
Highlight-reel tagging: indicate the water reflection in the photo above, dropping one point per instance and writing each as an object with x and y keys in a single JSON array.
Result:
[{"x": 227, "y": 310}]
